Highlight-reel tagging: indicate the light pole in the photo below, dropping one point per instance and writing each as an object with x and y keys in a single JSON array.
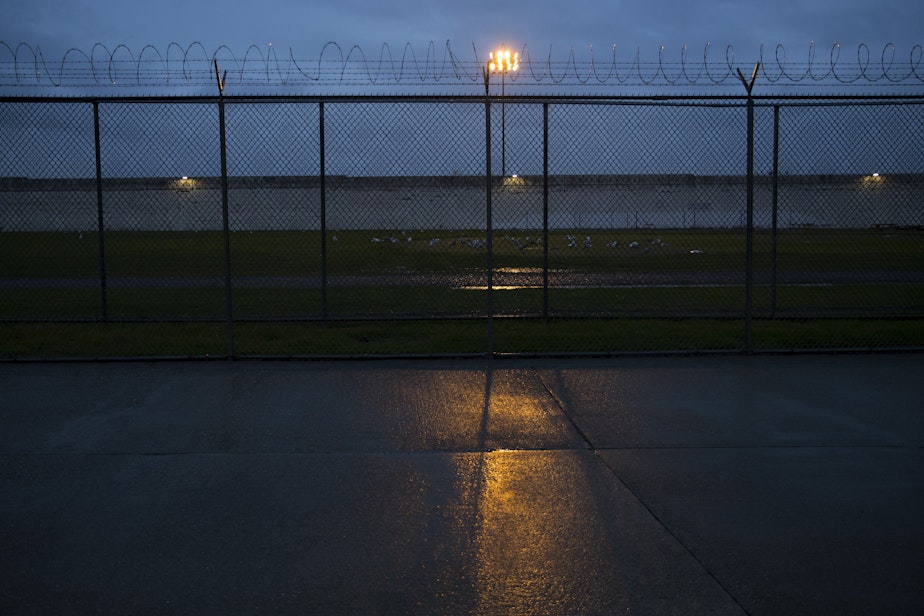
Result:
[{"x": 502, "y": 61}]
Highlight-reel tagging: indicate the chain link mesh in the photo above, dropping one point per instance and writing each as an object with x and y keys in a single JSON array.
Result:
[
  {"x": 369, "y": 226},
  {"x": 410, "y": 196},
  {"x": 274, "y": 210},
  {"x": 48, "y": 212},
  {"x": 162, "y": 211},
  {"x": 846, "y": 255},
  {"x": 645, "y": 221}
]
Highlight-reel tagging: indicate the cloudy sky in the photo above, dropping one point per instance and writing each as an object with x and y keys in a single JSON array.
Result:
[
  {"x": 305, "y": 26},
  {"x": 551, "y": 28}
]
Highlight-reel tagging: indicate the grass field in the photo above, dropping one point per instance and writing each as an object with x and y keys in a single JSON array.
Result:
[
  {"x": 298, "y": 253},
  {"x": 626, "y": 290}
]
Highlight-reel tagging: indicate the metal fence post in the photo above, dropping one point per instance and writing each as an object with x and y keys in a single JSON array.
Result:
[
  {"x": 99, "y": 215},
  {"x": 226, "y": 228},
  {"x": 323, "y": 181},
  {"x": 545, "y": 211},
  {"x": 749, "y": 225},
  {"x": 774, "y": 213},
  {"x": 488, "y": 221},
  {"x": 749, "y": 242}
]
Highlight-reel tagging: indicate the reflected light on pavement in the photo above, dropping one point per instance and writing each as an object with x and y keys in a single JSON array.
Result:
[{"x": 530, "y": 537}]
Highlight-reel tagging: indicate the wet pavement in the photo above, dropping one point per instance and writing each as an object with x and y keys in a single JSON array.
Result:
[{"x": 646, "y": 485}]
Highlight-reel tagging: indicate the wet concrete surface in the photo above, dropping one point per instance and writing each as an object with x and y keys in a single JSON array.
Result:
[{"x": 654, "y": 485}]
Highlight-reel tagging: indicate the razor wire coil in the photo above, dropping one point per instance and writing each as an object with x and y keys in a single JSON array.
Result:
[{"x": 23, "y": 65}]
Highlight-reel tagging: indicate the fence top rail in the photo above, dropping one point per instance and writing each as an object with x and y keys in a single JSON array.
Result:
[{"x": 814, "y": 99}]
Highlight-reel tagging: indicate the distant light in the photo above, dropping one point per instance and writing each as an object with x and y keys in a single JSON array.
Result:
[
  {"x": 875, "y": 175},
  {"x": 514, "y": 175},
  {"x": 185, "y": 178}
]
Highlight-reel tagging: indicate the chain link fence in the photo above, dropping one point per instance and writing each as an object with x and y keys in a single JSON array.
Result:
[{"x": 347, "y": 226}]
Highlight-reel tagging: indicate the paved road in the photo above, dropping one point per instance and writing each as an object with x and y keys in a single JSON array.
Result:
[{"x": 659, "y": 485}]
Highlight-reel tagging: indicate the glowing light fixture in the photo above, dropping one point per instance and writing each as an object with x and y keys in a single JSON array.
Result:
[{"x": 503, "y": 61}]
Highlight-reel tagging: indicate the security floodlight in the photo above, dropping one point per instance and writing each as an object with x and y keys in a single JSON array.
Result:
[{"x": 503, "y": 61}]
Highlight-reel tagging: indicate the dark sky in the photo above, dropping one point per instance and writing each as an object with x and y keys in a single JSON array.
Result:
[{"x": 56, "y": 25}]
